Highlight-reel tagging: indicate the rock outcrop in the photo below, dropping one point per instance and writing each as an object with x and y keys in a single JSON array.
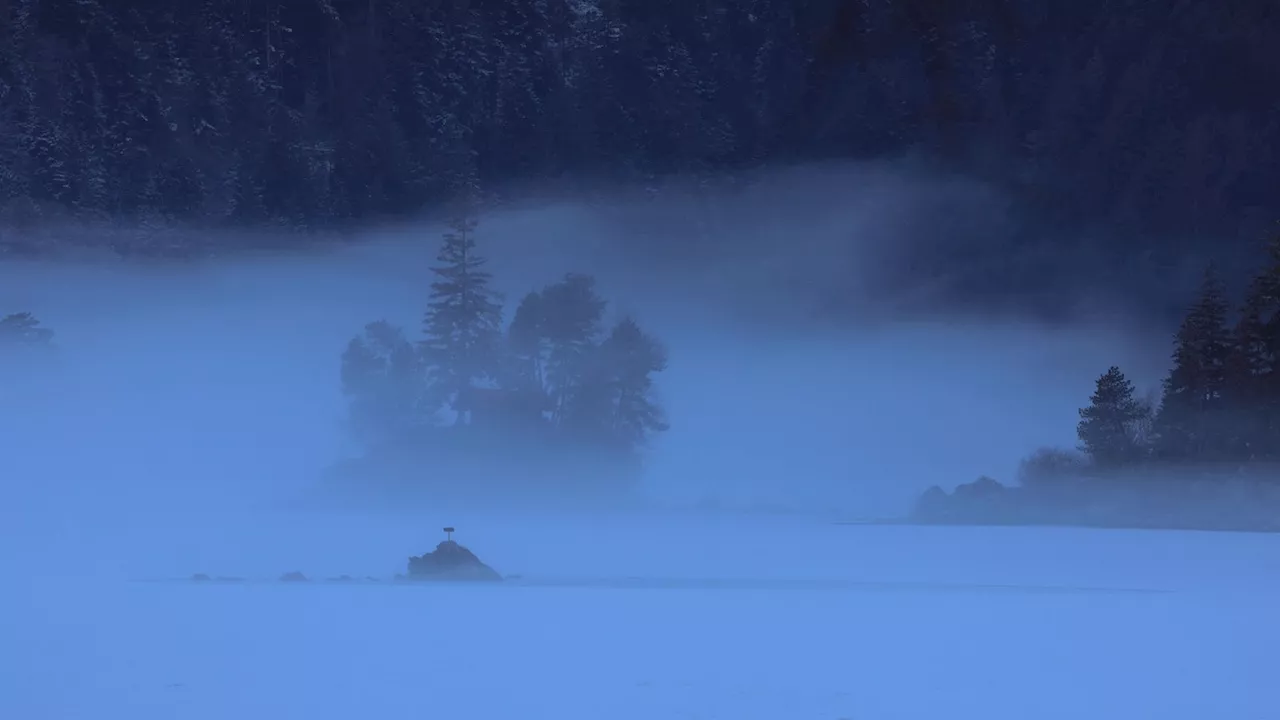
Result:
[
  {"x": 1209, "y": 501},
  {"x": 450, "y": 562},
  {"x": 981, "y": 502}
]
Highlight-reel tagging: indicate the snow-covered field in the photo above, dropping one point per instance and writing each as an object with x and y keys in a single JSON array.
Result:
[{"x": 806, "y": 620}]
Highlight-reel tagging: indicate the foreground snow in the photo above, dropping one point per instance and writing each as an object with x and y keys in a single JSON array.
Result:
[{"x": 649, "y": 619}]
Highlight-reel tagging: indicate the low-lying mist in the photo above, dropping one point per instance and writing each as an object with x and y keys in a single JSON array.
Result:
[{"x": 213, "y": 385}]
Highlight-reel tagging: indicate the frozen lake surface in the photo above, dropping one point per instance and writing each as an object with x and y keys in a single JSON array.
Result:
[{"x": 627, "y": 618}]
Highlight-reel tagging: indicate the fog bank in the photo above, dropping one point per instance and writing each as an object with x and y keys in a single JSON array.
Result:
[{"x": 215, "y": 383}]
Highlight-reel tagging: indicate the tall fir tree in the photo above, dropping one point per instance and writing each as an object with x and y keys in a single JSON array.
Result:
[
  {"x": 1250, "y": 370},
  {"x": 1191, "y": 424},
  {"x": 462, "y": 325},
  {"x": 1109, "y": 428},
  {"x": 1253, "y": 378}
]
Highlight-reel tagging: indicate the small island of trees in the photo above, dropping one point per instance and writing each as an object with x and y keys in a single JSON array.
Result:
[
  {"x": 1206, "y": 455},
  {"x": 551, "y": 398}
]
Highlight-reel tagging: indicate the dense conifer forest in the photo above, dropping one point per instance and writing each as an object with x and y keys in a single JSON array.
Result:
[{"x": 316, "y": 114}]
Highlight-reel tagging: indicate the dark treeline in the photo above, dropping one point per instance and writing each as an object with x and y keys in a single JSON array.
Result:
[
  {"x": 1205, "y": 452},
  {"x": 1220, "y": 403},
  {"x": 553, "y": 399},
  {"x": 317, "y": 113}
]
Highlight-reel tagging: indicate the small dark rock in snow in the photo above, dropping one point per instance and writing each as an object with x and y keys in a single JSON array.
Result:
[
  {"x": 450, "y": 561},
  {"x": 293, "y": 577}
]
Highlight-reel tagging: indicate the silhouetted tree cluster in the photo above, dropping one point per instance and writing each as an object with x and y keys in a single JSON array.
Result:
[
  {"x": 1220, "y": 402},
  {"x": 555, "y": 379},
  {"x": 1204, "y": 456},
  {"x": 309, "y": 113}
]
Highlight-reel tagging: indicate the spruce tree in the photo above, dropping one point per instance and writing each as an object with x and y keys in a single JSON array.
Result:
[
  {"x": 1253, "y": 374},
  {"x": 1191, "y": 423},
  {"x": 1108, "y": 426},
  {"x": 462, "y": 324},
  {"x": 1250, "y": 373}
]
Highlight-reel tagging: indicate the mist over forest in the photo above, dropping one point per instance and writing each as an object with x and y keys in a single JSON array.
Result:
[
  {"x": 855, "y": 299},
  {"x": 197, "y": 382},
  {"x": 751, "y": 359}
]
